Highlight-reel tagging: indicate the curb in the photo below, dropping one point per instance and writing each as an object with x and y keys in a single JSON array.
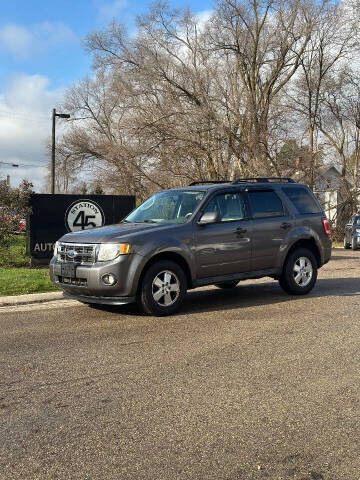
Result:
[{"x": 31, "y": 298}]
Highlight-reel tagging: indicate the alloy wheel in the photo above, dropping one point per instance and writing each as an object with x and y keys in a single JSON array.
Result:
[
  {"x": 303, "y": 271},
  {"x": 165, "y": 288}
]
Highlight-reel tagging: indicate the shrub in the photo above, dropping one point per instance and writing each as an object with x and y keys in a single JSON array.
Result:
[{"x": 14, "y": 207}]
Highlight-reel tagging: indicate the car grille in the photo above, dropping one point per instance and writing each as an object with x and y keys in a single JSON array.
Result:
[{"x": 84, "y": 254}]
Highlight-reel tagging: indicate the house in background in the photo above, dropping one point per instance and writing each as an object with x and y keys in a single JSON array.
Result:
[
  {"x": 334, "y": 193},
  {"x": 332, "y": 190}
]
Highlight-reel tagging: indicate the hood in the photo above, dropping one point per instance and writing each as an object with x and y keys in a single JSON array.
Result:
[{"x": 111, "y": 233}]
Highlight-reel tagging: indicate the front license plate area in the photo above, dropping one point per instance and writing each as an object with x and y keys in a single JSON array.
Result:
[{"x": 68, "y": 270}]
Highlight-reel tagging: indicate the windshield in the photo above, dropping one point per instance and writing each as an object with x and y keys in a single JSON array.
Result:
[
  {"x": 357, "y": 221},
  {"x": 173, "y": 206}
]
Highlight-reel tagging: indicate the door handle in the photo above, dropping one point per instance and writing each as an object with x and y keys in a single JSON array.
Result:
[
  {"x": 285, "y": 225},
  {"x": 240, "y": 230}
]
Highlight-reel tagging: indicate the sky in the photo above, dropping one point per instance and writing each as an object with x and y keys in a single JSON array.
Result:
[{"x": 41, "y": 56}]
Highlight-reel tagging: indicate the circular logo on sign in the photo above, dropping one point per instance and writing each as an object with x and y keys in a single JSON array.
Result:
[{"x": 84, "y": 214}]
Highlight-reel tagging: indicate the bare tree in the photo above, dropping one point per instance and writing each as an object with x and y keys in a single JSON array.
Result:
[
  {"x": 267, "y": 40},
  {"x": 333, "y": 40},
  {"x": 186, "y": 100}
]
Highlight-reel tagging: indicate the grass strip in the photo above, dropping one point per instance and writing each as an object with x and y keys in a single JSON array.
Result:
[{"x": 20, "y": 281}]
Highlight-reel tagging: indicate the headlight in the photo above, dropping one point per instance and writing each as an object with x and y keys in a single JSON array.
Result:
[{"x": 109, "y": 251}]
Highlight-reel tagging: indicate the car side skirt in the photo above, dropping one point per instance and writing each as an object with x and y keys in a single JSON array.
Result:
[{"x": 269, "y": 272}]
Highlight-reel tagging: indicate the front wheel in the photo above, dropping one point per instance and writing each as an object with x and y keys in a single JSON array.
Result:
[
  {"x": 299, "y": 273},
  {"x": 163, "y": 288},
  {"x": 346, "y": 244}
]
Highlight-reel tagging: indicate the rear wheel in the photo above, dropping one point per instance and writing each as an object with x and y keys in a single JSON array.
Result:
[
  {"x": 299, "y": 273},
  {"x": 346, "y": 244},
  {"x": 353, "y": 244},
  {"x": 163, "y": 288},
  {"x": 227, "y": 285}
]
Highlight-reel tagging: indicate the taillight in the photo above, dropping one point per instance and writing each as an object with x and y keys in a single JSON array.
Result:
[{"x": 326, "y": 226}]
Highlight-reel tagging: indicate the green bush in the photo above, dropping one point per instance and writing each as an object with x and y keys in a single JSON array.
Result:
[
  {"x": 14, "y": 207},
  {"x": 14, "y": 255}
]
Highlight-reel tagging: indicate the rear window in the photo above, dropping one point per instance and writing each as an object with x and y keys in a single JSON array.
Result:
[
  {"x": 265, "y": 204},
  {"x": 302, "y": 199}
]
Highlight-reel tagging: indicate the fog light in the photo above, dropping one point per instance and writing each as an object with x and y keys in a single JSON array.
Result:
[{"x": 109, "y": 279}]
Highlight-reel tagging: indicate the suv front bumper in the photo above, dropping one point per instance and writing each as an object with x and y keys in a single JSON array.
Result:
[
  {"x": 88, "y": 286},
  {"x": 99, "y": 300}
]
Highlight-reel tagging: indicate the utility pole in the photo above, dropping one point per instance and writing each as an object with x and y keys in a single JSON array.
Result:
[
  {"x": 53, "y": 152},
  {"x": 54, "y": 115}
]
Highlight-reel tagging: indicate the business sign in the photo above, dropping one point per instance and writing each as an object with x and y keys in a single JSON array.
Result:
[
  {"x": 54, "y": 215},
  {"x": 84, "y": 214}
]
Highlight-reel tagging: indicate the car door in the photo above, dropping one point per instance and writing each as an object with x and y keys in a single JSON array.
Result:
[
  {"x": 271, "y": 223},
  {"x": 224, "y": 247}
]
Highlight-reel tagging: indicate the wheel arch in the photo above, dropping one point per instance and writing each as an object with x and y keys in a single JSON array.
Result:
[
  {"x": 167, "y": 255},
  {"x": 308, "y": 243}
]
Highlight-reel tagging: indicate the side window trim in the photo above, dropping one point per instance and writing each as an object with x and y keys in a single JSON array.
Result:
[{"x": 267, "y": 189}]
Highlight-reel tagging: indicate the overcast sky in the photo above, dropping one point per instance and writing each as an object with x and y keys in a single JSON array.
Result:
[{"x": 40, "y": 57}]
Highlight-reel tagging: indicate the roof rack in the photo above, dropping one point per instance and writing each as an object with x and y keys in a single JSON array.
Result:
[
  {"x": 264, "y": 180},
  {"x": 246, "y": 180},
  {"x": 210, "y": 182}
]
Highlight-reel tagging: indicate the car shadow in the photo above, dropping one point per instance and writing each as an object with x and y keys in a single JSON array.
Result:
[
  {"x": 244, "y": 296},
  {"x": 266, "y": 293}
]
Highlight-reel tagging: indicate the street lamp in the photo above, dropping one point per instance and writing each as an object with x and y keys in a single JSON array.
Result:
[{"x": 54, "y": 115}]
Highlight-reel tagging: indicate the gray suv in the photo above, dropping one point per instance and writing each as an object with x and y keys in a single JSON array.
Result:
[{"x": 207, "y": 233}]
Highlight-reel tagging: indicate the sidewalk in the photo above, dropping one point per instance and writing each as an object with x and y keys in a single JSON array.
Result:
[{"x": 31, "y": 298}]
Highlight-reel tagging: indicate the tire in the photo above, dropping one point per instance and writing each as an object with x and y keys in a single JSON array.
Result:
[
  {"x": 353, "y": 244},
  {"x": 346, "y": 244},
  {"x": 300, "y": 261},
  {"x": 227, "y": 285},
  {"x": 157, "y": 280}
]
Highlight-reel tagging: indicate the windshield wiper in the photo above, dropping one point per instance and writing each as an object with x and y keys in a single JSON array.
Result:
[{"x": 143, "y": 221}]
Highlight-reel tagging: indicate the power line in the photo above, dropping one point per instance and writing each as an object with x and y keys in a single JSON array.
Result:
[
  {"x": 13, "y": 118},
  {"x": 16, "y": 165},
  {"x": 25, "y": 116}
]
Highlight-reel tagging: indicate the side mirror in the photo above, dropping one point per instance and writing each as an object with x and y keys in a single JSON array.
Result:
[{"x": 209, "y": 217}]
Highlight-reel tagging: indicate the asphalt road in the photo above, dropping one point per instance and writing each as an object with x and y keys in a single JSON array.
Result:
[{"x": 241, "y": 385}]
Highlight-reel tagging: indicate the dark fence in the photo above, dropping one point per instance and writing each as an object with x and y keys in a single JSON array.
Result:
[{"x": 54, "y": 215}]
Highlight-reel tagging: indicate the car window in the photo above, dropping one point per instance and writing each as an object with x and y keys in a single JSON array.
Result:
[
  {"x": 171, "y": 206},
  {"x": 265, "y": 204},
  {"x": 357, "y": 221},
  {"x": 229, "y": 205},
  {"x": 302, "y": 199}
]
